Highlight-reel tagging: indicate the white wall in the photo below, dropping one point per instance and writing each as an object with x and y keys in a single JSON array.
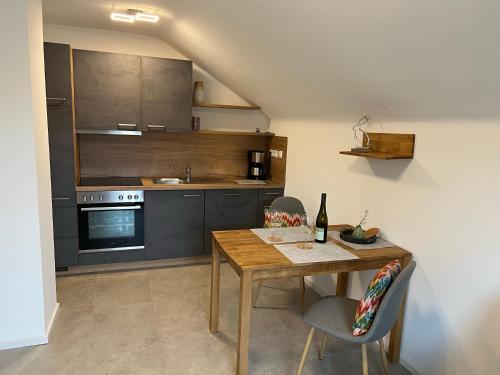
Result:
[
  {"x": 119, "y": 42},
  {"x": 27, "y": 277},
  {"x": 443, "y": 206}
]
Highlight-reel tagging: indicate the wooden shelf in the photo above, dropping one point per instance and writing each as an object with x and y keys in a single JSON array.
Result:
[
  {"x": 225, "y": 132},
  {"x": 379, "y": 155},
  {"x": 227, "y": 106},
  {"x": 387, "y": 146}
]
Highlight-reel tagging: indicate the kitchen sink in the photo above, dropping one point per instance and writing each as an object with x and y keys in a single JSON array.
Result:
[
  {"x": 194, "y": 180},
  {"x": 167, "y": 181}
]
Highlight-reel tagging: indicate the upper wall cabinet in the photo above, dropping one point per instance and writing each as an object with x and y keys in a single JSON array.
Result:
[
  {"x": 58, "y": 74},
  {"x": 107, "y": 90},
  {"x": 166, "y": 94}
]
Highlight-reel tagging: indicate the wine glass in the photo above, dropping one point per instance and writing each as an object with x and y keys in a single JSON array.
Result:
[
  {"x": 275, "y": 221},
  {"x": 307, "y": 226}
]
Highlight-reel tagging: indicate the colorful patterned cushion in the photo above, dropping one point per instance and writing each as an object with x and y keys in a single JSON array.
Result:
[
  {"x": 287, "y": 220},
  {"x": 368, "y": 306}
]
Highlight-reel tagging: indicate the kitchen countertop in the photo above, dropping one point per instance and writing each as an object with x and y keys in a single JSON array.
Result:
[{"x": 212, "y": 182}]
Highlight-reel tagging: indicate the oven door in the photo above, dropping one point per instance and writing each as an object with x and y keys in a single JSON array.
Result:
[{"x": 110, "y": 227}]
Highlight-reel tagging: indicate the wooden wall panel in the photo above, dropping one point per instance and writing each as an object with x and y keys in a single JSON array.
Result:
[{"x": 152, "y": 154}]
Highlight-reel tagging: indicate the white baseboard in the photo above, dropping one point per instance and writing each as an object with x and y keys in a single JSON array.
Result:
[
  {"x": 30, "y": 341},
  {"x": 52, "y": 319},
  {"x": 409, "y": 367}
]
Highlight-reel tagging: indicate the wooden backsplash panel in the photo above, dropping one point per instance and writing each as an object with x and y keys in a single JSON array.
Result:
[{"x": 152, "y": 154}]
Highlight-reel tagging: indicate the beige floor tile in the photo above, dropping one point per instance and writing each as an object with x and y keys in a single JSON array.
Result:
[
  {"x": 156, "y": 322},
  {"x": 123, "y": 288}
]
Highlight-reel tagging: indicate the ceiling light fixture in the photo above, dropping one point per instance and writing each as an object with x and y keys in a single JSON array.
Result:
[
  {"x": 122, "y": 17},
  {"x": 141, "y": 16}
]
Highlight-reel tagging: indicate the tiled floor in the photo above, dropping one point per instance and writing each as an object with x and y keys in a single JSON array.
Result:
[{"x": 156, "y": 322}]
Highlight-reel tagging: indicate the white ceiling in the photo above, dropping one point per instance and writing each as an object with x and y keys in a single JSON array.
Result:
[{"x": 336, "y": 59}]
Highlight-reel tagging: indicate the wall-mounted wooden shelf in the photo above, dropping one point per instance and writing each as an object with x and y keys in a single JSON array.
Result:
[
  {"x": 225, "y": 132},
  {"x": 387, "y": 146},
  {"x": 227, "y": 106}
]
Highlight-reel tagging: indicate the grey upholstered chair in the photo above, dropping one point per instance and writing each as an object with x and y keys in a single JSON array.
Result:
[
  {"x": 334, "y": 316},
  {"x": 290, "y": 205}
]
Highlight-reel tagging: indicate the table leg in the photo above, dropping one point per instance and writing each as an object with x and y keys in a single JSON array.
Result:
[
  {"x": 342, "y": 279},
  {"x": 244, "y": 327},
  {"x": 214, "y": 293},
  {"x": 397, "y": 329}
]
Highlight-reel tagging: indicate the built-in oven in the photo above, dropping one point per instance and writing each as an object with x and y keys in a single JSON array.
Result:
[{"x": 110, "y": 221}]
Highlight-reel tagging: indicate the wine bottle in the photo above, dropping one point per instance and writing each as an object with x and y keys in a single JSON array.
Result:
[{"x": 322, "y": 221}]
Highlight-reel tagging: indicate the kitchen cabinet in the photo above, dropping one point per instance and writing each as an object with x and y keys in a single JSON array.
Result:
[
  {"x": 58, "y": 74},
  {"x": 173, "y": 223},
  {"x": 61, "y": 148},
  {"x": 166, "y": 94},
  {"x": 229, "y": 209},
  {"x": 266, "y": 197},
  {"x": 107, "y": 90}
]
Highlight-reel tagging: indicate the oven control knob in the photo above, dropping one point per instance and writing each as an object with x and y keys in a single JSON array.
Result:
[
  {"x": 100, "y": 197},
  {"x": 129, "y": 197},
  {"x": 85, "y": 198},
  {"x": 136, "y": 196},
  {"x": 120, "y": 197},
  {"x": 91, "y": 198}
]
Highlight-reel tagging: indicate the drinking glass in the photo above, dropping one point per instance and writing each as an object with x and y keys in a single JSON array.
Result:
[
  {"x": 307, "y": 226},
  {"x": 275, "y": 221}
]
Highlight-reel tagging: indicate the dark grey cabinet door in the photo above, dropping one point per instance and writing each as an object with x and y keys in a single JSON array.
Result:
[
  {"x": 173, "y": 223},
  {"x": 107, "y": 90},
  {"x": 229, "y": 209},
  {"x": 166, "y": 94},
  {"x": 66, "y": 251},
  {"x": 58, "y": 74},
  {"x": 266, "y": 197},
  {"x": 62, "y": 166},
  {"x": 65, "y": 221}
]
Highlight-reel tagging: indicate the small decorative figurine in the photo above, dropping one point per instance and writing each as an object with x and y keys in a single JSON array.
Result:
[{"x": 358, "y": 232}]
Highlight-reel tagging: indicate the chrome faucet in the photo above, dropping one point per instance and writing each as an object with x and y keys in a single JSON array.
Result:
[{"x": 186, "y": 172}]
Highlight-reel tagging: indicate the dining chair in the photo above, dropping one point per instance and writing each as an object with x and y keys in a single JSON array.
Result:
[
  {"x": 334, "y": 315},
  {"x": 290, "y": 205}
]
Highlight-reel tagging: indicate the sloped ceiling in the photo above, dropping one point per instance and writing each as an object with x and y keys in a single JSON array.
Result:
[{"x": 331, "y": 59}]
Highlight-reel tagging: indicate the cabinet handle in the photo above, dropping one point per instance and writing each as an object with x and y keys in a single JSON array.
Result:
[
  {"x": 156, "y": 127},
  {"x": 191, "y": 195},
  {"x": 272, "y": 193},
  {"x": 232, "y": 194},
  {"x": 60, "y": 100},
  {"x": 127, "y": 126},
  {"x": 61, "y": 199}
]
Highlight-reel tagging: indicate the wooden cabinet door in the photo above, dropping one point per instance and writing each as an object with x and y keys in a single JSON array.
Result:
[
  {"x": 173, "y": 223},
  {"x": 107, "y": 90},
  {"x": 166, "y": 94},
  {"x": 58, "y": 74},
  {"x": 229, "y": 209}
]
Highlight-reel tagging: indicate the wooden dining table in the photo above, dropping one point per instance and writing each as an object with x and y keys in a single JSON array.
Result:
[{"x": 253, "y": 259}]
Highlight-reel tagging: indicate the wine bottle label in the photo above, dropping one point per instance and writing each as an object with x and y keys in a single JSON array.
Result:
[{"x": 320, "y": 234}]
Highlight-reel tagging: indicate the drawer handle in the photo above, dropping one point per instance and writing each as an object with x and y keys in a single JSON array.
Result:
[
  {"x": 156, "y": 127},
  {"x": 191, "y": 195},
  {"x": 61, "y": 199},
  {"x": 127, "y": 126},
  {"x": 272, "y": 193},
  {"x": 60, "y": 100},
  {"x": 232, "y": 194}
]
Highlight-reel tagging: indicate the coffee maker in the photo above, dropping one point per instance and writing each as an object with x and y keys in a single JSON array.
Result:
[{"x": 256, "y": 165}]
